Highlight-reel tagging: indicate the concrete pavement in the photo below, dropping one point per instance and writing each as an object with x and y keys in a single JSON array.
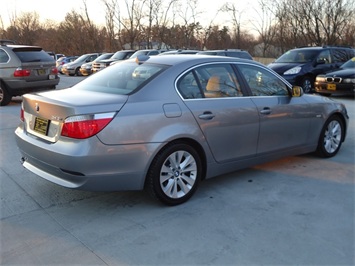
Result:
[{"x": 295, "y": 211}]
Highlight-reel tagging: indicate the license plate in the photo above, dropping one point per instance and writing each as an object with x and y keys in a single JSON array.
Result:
[
  {"x": 41, "y": 72},
  {"x": 41, "y": 126},
  {"x": 331, "y": 87}
]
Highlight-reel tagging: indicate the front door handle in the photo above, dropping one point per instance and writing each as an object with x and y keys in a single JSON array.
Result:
[
  {"x": 266, "y": 111},
  {"x": 206, "y": 116}
]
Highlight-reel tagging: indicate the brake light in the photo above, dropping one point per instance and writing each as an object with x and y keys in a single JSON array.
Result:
[
  {"x": 85, "y": 126},
  {"x": 19, "y": 72},
  {"x": 54, "y": 71}
]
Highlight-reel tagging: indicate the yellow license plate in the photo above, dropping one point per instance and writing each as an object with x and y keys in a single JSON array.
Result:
[
  {"x": 41, "y": 126},
  {"x": 41, "y": 72},
  {"x": 331, "y": 87}
]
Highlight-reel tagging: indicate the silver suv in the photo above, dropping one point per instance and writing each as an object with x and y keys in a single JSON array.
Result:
[{"x": 24, "y": 69}]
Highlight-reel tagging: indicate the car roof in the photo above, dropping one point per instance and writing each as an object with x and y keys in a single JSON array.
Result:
[
  {"x": 175, "y": 59},
  {"x": 13, "y": 46}
]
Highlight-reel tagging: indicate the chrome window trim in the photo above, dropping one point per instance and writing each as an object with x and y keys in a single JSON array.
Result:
[{"x": 288, "y": 85}]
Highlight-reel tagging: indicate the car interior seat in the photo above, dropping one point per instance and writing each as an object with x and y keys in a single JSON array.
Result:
[{"x": 213, "y": 89}]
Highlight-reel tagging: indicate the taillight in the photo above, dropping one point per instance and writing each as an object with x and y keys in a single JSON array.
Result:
[
  {"x": 85, "y": 126},
  {"x": 19, "y": 72},
  {"x": 54, "y": 71}
]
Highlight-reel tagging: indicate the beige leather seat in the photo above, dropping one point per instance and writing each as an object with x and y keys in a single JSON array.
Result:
[{"x": 213, "y": 89}]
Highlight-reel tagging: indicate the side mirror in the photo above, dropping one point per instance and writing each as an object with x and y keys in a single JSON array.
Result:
[{"x": 297, "y": 91}]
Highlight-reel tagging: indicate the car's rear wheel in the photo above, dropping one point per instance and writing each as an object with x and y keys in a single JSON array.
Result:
[
  {"x": 331, "y": 137},
  {"x": 307, "y": 84},
  {"x": 5, "y": 96},
  {"x": 174, "y": 174}
]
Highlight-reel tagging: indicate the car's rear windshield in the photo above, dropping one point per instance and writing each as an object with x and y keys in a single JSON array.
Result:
[
  {"x": 298, "y": 56},
  {"x": 28, "y": 55},
  {"x": 122, "y": 78}
]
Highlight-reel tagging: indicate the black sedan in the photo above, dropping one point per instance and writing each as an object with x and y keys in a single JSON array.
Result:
[{"x": 337, "y": 82}]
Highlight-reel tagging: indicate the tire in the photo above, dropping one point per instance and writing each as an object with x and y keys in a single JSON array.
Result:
[
  {"x": 307, "y": 84},
  {"x": 5, "y": 96},
  {"x": 331, "y": 137},
  {"x": 174, "y": 174}
]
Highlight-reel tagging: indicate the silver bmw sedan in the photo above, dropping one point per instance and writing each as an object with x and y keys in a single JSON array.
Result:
[{"x": 165, "y": 123}]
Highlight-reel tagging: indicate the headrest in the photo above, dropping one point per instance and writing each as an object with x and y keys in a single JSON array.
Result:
[{"x": 213, "y": 84}]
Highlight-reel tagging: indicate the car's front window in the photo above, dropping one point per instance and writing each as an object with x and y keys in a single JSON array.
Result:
[
  {"x": 298, "y": 56},
  {"x": 122, "y": 78},
  {"x": 262, "y": 82}
]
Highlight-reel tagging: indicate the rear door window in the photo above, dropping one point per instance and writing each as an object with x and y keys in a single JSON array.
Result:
[{"x": 4, "y": 57}]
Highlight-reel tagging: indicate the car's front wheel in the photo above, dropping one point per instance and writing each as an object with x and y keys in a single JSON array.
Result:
[
  {"x": 331, "y": 137},
  {"x": 175, "y": 174}
]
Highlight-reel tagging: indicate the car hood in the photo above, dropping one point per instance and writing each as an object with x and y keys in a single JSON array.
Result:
[
  {"x": 280, "y": 68},
  {"x": 344, "y": 73},
  {"x": 57, "y": 105}
]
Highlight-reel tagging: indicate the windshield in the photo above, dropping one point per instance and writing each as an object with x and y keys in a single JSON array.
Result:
[
  {"x": 121, "y": 55},
  {"x": 104, "y": 56},
  {"x": 121, "y": 78},
  {"x": 81, "y": 58},
  {"x": 349, "y": 64},
  {"x": 298, "y": 56}
]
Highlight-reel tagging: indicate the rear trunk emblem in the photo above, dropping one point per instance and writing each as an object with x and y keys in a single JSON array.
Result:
[{"x": 37, "y": 107}]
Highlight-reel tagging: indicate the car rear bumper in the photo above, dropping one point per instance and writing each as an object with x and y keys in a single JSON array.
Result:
[
  {"x": 23, "y": 84},
  {"x": 20, "y": 87},
  {"x": 86, "y": 165}
]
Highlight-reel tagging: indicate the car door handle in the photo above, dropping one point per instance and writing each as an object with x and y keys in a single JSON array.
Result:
[
  {"x": 266, "y": 111},
  {"x": 206, "y": 116}
]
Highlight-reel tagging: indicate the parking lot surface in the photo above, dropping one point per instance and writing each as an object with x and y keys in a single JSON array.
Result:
[{"x": 294, "y": 211}]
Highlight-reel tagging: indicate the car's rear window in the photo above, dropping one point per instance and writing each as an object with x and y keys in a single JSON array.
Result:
[
  {"x": 122, "y": 78},
  {"x": 28, "y": 55}
]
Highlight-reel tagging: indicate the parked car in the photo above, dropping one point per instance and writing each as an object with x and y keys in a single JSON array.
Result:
[
  {"x": 86, "y": 69},
  {"x": 73, "y": 68},
  {"x": 148, "y": 52},
  {"x": 24, "y": 69},
  {"x": 54, "y": 55},
  {"x": 341, "y": 81},
  {"x": 64, "y": 60},
  {"x": 165, "y": 123},
  {"x": 301, "y": 66},
  {"x": 118, "y": 56},
  {"x": 180, "y": 51},
  {"x": 228, "y": 52}
]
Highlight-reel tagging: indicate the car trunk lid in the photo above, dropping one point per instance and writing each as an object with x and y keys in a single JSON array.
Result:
[{"x": 44, "y": 113}]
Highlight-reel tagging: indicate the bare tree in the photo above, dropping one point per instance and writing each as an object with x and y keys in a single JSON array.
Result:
[
  {"x": 235, "y": 13},
  {"x": 189, "y": 13}
]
